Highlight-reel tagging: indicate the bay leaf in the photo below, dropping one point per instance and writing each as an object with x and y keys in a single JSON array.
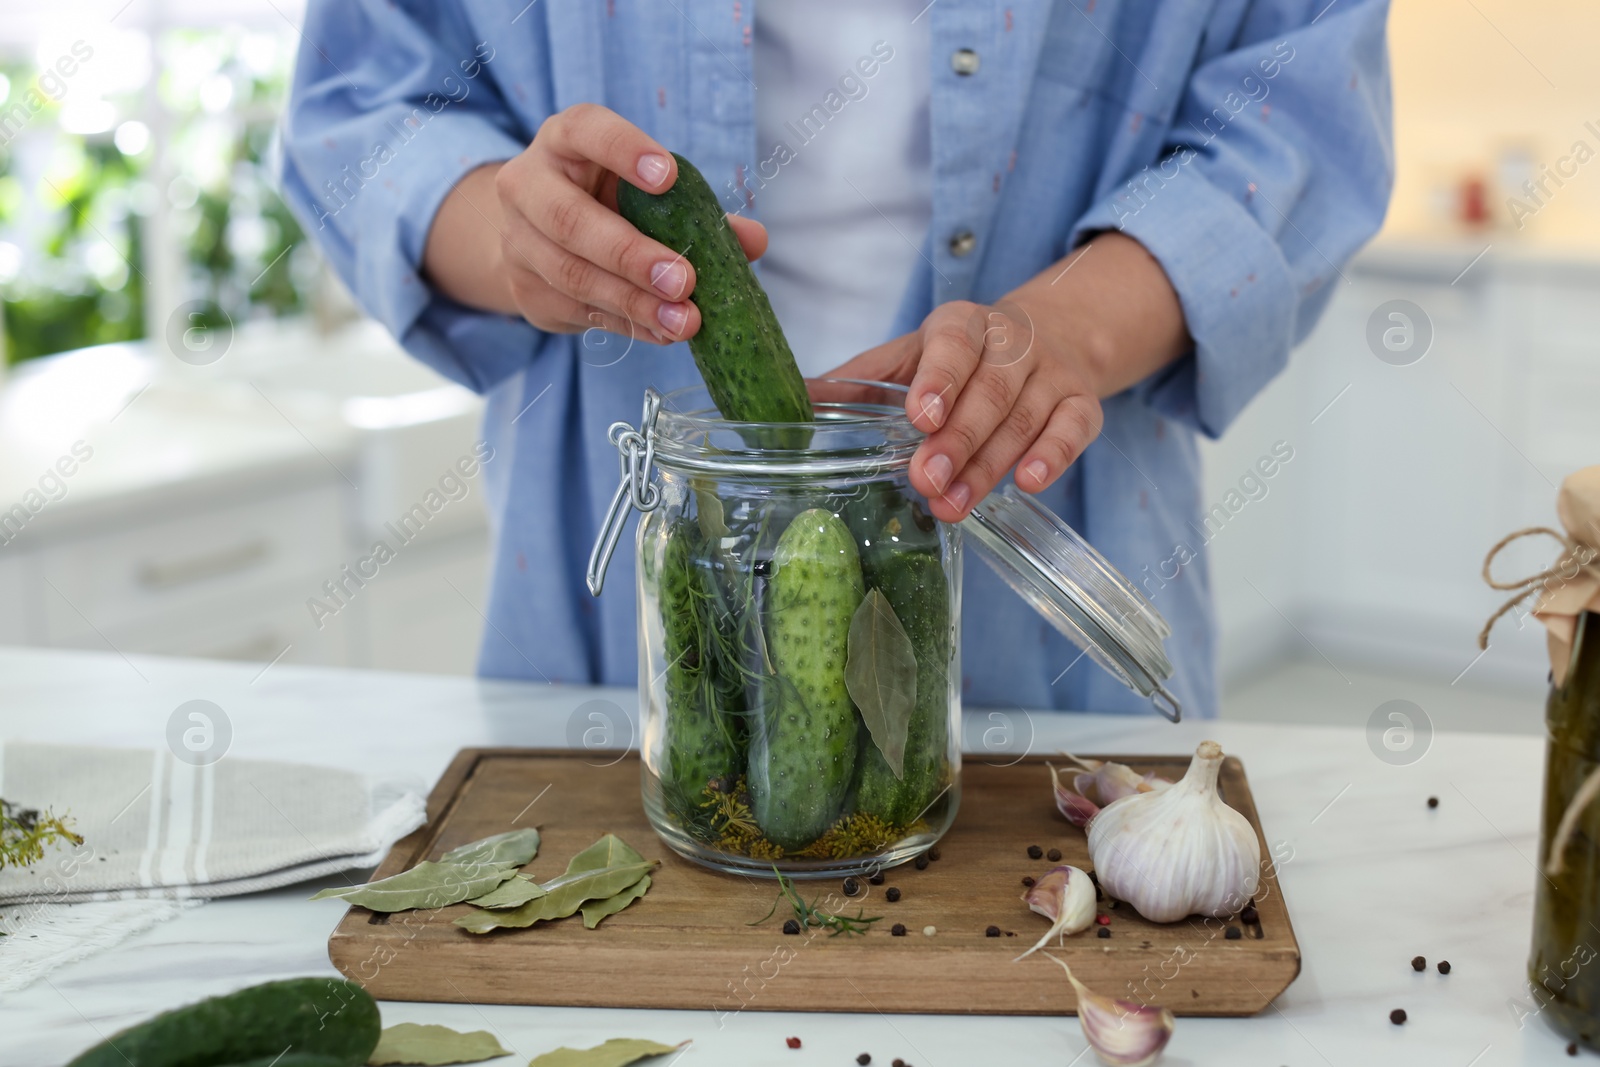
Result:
[
  {"x": 604, "y": 869},
  {"x": 512, "y": 893},
  {"x": 430, "y": 1045},
  {"x": 427, "y": 885},
  {"x": 880, "y": 673},
  {"x": 708, "y": 511},
  {"x": 513, "y": 848},
  {"x": 618, "y": 1052},
  {"x": 563, "y": 896},
  {"x": 595, "y": 910}
]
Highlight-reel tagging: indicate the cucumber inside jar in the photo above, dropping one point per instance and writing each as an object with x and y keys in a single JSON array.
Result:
[{"x": 765, "y": 754}]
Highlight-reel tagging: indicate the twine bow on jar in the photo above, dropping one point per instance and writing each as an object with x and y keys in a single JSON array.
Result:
[{"x": 1570, "y": 585}]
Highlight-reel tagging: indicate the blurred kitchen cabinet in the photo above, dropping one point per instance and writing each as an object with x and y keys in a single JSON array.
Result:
[
  {"x": 421, "y": 613},
  {"x": 15, "y": 599},
  {"x": 1406, "y": 472}
]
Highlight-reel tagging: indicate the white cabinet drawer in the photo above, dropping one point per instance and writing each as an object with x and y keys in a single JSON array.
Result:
[{"x": 120, "y": 579}]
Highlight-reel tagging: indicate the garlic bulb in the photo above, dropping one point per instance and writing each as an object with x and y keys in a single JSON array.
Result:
[
  {"x": 1178, "y": 851},
  {"x": 1065, "y": 896},
  {"x": 1121, "y": 1032}
]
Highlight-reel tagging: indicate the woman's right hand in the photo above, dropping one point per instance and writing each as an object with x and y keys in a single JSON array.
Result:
[{"x": 561, "y": 255}]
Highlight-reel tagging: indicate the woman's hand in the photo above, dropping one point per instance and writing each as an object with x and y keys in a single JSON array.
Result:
[
  {"x": 1018, "y": 384},
  {"x": 540, "y": 236}
]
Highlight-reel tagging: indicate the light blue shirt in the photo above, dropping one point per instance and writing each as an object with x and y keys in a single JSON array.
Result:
[{"x": 1245, "y": 143}]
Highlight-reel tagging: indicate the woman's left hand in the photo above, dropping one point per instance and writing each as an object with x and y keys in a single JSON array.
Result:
[
  {"x": 1018, "y": 383},
  {"x": 991, "y": 395}
]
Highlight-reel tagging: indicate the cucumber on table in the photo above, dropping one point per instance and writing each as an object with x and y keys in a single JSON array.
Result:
[
  {"x": 803, "y": 747},
  {"x": 703, "y": 704},
  {"x": 310, "y": 1022},
  {"x": 740, "y": 348}
]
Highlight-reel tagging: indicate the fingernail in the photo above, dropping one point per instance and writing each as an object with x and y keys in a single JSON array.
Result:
[
  {"x": 1036, "y": 470},
  {"x": 938, "y": 470},
  {"x": 653, "y": 169},
  {"x": 669, "y": 277},
  {"x": 674, "y": 317},
  {"x": 958, "y": 496},
  {"x": 933, "y": 410}
]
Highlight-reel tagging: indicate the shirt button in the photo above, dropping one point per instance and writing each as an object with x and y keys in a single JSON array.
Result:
[
  {"x": 963, "y": 243},
  {"x": 964, "y": 61}
]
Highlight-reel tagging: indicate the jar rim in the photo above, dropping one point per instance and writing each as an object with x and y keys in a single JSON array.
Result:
[{"x": 863, "y": 429}]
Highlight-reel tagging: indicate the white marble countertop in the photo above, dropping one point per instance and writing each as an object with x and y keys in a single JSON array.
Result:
[{"x": 1375, "y": 878}]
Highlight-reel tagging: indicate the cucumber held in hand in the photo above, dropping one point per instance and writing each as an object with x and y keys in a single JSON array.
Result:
[
  {"x": 740, "y": 348},
  {"x": 803, "y": 748},
  {"x": 312, "y": 1022},
  {"x": 701, "y": 718}
]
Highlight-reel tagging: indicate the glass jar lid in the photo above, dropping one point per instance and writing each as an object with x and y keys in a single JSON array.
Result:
[{"x": 1076, "y": 589}]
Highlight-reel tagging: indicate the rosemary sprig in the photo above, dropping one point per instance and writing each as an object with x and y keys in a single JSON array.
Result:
[{"x": 810, "y": 915}]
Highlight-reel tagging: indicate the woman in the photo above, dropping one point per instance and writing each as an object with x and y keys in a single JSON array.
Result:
[{"x": 1082, "y": 233}]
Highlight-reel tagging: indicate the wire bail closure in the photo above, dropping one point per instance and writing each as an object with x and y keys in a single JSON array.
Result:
[{"x": 636, "y": 450}]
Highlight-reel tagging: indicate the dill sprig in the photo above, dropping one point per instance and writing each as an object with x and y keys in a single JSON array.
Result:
[
  {"x": 809, "y": 915},
  {"x": 24, "y": 832}
]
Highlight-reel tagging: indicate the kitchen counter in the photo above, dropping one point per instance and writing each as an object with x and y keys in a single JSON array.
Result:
[{"x": 1375, "y": 877}]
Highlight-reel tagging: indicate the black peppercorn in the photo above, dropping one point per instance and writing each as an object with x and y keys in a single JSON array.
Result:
[
  {"x": 1397, "y": 1016},
  {"x": 864, "y": 1059},
  {"x": 893, "y": 894},
  {"x": 1035, "y": 852},
  {"x": 1444, "y": 966},
  {"x": 1233, "y": 933},
  {"x": 876, "y": 878},
  {"x": 898, "y": 1062},
  {"x": 933, "y": 854},
  {"x": 763, "y": 568},
  {"x": 1418, "y": 963},
  {"x": 1250, "y": 914},
  {"x": 1053, "y": 855},
  {"x": 993, "y": 931},
  {"x": 851, "y": 887},
  {"x": 1103, "y": 933},
  {"x": 791, "y": 927},
  {"x": 897, "y": 930},
  {"x": 1572, "y": 1049},
  {"x": 922, "y": 862},
  {"x": 1433, "y": 802},
  {"x": 1027, "y": 880}
]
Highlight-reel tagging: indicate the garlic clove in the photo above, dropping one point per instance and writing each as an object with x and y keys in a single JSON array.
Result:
[
  {"x": 1065, "y": 896},
  {"x": 1179, "y": 850},
  {"x": 1111, "y": 781},
  {"x": 1122, "y": 1033},
  {"x": 1075, "y": 807}
]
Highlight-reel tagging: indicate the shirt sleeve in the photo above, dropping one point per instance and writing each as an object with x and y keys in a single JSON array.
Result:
[
  {"x": 1277, "y": 168},
  {"x": 391, "y": 104}
]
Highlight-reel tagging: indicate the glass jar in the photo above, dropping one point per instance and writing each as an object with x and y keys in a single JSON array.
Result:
[
  {"x": 800, "y": 628},
  {"x": 1563, "y": 972}
]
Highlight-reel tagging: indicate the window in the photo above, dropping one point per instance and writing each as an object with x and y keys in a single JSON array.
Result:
[{"x": 136, "y": 184}]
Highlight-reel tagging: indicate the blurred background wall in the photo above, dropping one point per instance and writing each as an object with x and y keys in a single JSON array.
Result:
[{"x": 238, "y": 434}]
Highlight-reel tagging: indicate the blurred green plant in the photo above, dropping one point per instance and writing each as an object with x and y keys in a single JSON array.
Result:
[{"x": 80, "y": 220}]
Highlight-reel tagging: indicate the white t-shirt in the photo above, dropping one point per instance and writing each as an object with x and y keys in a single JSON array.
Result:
[{"x": 842, "y": 179}]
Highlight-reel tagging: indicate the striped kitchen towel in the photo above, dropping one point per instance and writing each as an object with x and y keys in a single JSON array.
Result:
[
  {"x": 157, "y": 826},
  {"x": 161, "y": 834}
]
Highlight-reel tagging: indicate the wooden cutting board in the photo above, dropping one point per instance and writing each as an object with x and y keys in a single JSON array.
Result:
[{"x": 686, "y": 943}]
